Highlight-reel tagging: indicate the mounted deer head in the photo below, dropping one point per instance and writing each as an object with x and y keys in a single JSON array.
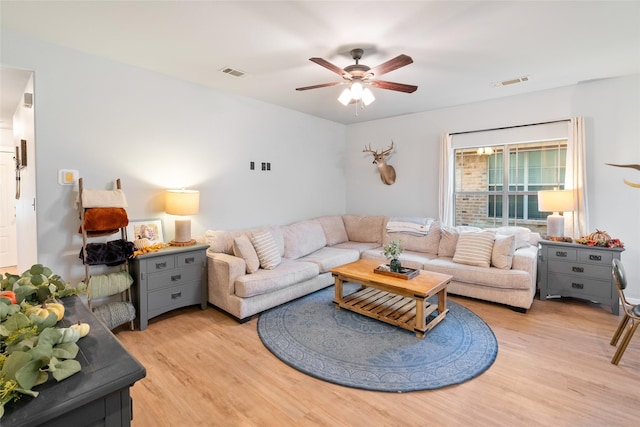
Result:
[{"x": 387, "y": 172}]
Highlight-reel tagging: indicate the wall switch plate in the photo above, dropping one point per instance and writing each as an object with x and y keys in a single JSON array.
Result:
[{"x": 68, "y": 176}]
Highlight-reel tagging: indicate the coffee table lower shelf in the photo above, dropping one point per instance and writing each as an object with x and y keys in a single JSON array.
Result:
[{"x": 392, "y": 308}]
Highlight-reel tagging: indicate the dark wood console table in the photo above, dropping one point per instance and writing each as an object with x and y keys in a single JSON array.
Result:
[{"x": 98, "y": 395}]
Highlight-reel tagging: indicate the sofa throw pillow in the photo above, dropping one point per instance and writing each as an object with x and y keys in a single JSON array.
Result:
[
  {"x": 448, "y": 242},
  {"x": 334, "y": 230},
  {"x": 267, "y": 250},
  {"x": 502, "y": 253},
  {"x": 243, "y": 248},
  {"x": 475, "y": 248}
]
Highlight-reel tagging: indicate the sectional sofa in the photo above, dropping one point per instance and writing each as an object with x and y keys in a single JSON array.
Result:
[{"x": 252, "y": 270}]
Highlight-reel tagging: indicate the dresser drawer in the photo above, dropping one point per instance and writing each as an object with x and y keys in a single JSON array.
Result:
[
  {"x": 565, "y": 254},
  {"x": 177, "y": 296},
  {"x": 161, "y": 263},
  {"x": 582, "y": 287},
  {"x": 186, "y": 260},
  {"x": 596, "y": 257},
  {"x": 599, "y": 272},
  {"x": 174, "y": 277}
]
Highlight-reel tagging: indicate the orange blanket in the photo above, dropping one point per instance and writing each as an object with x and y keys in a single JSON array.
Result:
[{"x": 104, "y": 220}]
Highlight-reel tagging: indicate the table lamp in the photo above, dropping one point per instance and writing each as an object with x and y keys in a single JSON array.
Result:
[
  {"x": 555, "y": 201},
  {"x": 183, "y": 203}
]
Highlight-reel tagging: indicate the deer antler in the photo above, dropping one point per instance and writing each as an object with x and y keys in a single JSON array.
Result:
[
  {"x": 388, "y": 150},
  {"x": 369, "y": 150}
]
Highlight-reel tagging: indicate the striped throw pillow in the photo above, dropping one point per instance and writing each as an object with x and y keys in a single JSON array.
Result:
[
  {"x": 267, "y": 250},
  {"x": 475, "y": 248}
]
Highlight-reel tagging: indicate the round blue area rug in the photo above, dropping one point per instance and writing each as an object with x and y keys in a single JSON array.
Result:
[{"x": 352, "y": 350}]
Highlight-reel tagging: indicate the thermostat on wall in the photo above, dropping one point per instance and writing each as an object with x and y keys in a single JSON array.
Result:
[{"x": 67, "y": 176}]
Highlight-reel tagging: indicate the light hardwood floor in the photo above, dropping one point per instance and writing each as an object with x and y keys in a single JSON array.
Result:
[{"x": 553, "y": 369}]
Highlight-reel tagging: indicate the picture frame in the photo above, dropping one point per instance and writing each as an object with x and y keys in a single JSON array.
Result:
[{"x": 152, "y": 229}]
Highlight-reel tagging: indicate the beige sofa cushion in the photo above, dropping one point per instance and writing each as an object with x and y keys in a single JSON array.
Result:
[
  {"x": 490, "y": 277},
  {"x": 475, "y": 248},
  {"x": 502, "y": 253},
  {"x": 334, "y": 230},
  {"x": 302, "y": 238},
  {"x": 448, "y": 242},
  {"x": 267, "y": 249},
  {"x": 287, "y": 273},
  {"x": 243, "y": 248},
  {"x": 327, "y": 258},
  {"x": 358, "y": 246},
  {"x": 221, "y": 241},
  {"x": 364, "y": 228}
]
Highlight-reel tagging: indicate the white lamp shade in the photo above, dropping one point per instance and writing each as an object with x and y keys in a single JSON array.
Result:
[
  {"x": 356, "y": 90},
  {"x": 345, "y": 97},
  {"x": 555, "y": 201},
  {"x": 367, "y": 96},
  {"x": 182, "y": 202}
]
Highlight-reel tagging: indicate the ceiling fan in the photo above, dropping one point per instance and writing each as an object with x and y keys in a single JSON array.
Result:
[{"x": 358, "y": 74}]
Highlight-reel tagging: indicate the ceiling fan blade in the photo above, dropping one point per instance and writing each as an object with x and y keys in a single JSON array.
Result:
[
  {"x": 329, "y": 66},
  {"x": 392, "y": 64},
  {"x": 400, "y": 87},
  {"x": 319, "y": 86}
]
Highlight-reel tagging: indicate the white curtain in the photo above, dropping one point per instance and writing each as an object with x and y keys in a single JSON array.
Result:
[
  {"x": 577, "y": 222},
  {"x": 446, "y": 210}
]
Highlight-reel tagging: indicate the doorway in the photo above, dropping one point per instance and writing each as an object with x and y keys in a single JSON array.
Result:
[{"x": 18, "y": 237}]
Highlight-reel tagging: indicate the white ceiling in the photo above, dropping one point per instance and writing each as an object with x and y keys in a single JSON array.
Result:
[{"x": 459, "y": 48}]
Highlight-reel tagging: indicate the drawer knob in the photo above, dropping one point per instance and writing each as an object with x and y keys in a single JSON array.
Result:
[
  {"x": 561, "y": 254},
  {"x": 190, "y": 260},
  {"x": 176, "y": 277},
  {"x": 577, "y": 285},
  {"x": 176, "y": 295},
  {"x": 161, "y": 265},
  {"x": 595, "y": 257},
  {"x": 577, "y": 269}
]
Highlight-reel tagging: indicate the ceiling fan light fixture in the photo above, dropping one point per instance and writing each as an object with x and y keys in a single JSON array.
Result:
[
  {"x": 367, "y": 96},
  {"x": 345, "y": 97},
  {"x": 356, "y": 90}
]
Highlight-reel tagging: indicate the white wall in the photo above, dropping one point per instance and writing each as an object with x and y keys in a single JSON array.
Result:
[
  {"x": 611, "y": 109},
  {"x": 110, "y": 120}
]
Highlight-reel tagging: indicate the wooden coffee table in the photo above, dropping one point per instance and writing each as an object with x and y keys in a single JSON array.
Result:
[{"x": 393, "y": 300}]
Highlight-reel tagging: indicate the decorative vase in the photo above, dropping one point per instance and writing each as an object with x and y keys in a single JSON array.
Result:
[{"x": 394, "y": 265}]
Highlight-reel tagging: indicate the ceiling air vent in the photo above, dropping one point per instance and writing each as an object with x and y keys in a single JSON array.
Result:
[
  {"x": 511, "y": 82},
  {"x": 233, "y": 72}
]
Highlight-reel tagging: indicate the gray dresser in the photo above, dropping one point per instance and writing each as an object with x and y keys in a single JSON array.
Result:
[
  {"x": 98, "y": 395},
  {"x": 579, "y": 271},
  {"x": 168, "y": 279}
]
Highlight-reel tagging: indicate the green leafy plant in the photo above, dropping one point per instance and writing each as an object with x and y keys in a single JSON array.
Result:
[
  {"x": 31, "y": 346},
  {"x": 37, "y": 284},
  {"x": 393, "y": 249}
]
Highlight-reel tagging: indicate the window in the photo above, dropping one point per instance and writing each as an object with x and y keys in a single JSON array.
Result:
[{"x": 498, "y": 185}]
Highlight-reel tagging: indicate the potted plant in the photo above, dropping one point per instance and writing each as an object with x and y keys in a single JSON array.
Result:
[{"x": 392, "y": 251}]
